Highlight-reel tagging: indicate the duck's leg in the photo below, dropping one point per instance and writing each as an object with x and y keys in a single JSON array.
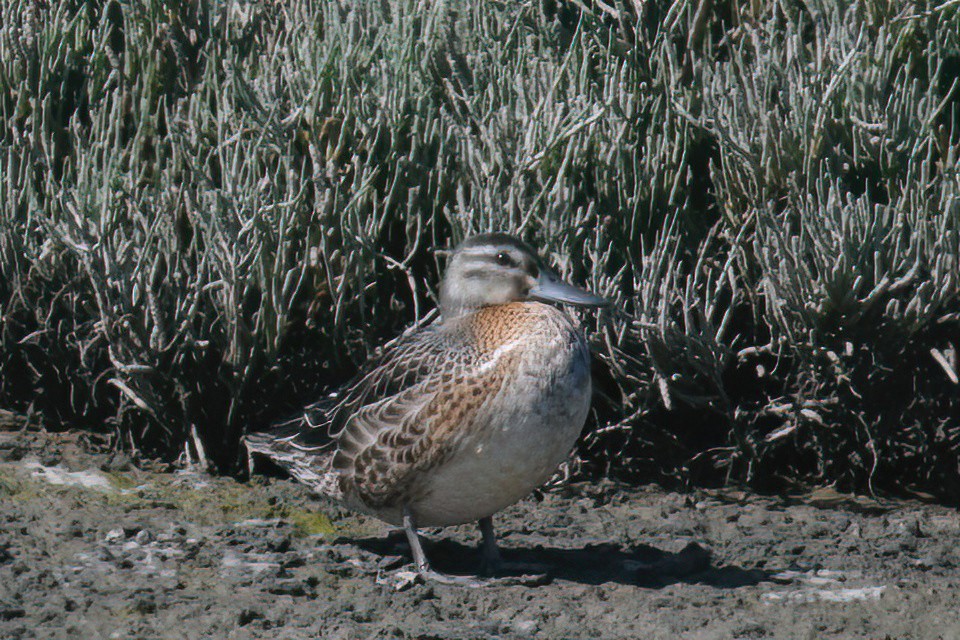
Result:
[
  {"x": 423, "y": 566},
  {"x": 403, "y": 578},
  {"x": 492, "y": 563},
  {"x": 490, "y": 551},
  {"x": 419, "y": 557},
  {"x": 490, "y": 560}
]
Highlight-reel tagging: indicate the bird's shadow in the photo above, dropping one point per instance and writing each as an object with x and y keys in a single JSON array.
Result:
[{"x": 594, "y": 564}]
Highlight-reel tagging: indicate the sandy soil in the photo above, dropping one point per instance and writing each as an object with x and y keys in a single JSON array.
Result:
[{"x": 92, "y": 546}]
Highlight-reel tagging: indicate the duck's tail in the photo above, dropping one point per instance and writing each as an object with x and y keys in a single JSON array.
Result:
[{"x": 299, "y": 450}]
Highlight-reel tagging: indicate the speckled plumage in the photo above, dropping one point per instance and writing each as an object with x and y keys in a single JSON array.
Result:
[
  {"x": 455, "y": 421},
  {"x": 518, "y": 371}
]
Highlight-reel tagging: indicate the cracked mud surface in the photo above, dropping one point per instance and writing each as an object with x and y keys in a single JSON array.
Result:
[{"x": 93, "y": 547}]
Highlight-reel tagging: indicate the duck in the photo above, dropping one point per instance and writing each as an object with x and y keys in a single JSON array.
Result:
[{"x": 457, "y": 420}]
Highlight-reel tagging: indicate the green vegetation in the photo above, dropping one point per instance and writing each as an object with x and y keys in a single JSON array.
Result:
[{"x": 209, "y": 211}]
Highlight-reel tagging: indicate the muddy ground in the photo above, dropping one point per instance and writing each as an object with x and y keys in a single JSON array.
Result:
[{"x": 93, "y": 546}]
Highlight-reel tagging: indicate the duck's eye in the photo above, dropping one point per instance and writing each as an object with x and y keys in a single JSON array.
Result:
[{"x": 504, "y": 259}]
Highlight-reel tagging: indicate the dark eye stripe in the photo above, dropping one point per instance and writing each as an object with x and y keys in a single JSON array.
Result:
[{"x": 479, "y": 274}]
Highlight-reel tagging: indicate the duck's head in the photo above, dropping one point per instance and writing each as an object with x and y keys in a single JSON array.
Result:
[{"x": 496, "y": 268}]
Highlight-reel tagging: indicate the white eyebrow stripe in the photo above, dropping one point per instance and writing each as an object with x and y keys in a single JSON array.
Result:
[{"x": 489, "y": 249}]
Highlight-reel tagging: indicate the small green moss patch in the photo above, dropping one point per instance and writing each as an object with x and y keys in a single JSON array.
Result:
[{"x": 311, "y": 523}]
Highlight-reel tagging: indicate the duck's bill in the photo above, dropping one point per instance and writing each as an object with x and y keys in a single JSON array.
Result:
[{"x": 550, "y": 288}]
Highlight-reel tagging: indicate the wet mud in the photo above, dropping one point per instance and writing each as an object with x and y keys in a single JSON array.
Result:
[{"x": 95, "y": 546}]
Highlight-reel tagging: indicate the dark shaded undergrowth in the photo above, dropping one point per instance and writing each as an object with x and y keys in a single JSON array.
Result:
[{"x": 210, "y": 212}]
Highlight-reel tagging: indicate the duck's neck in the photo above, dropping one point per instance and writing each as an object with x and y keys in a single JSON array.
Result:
[{"x": 450, "y": 312}]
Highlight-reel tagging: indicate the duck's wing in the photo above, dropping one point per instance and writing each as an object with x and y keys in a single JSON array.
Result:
[
  {"x": 396, "y": 381},
  {"x": 407, "y": 362},
  {"x": 408, "y": 415}
]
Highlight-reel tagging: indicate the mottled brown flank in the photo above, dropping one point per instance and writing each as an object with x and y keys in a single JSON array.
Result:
[{"x": 409, "y": 443}]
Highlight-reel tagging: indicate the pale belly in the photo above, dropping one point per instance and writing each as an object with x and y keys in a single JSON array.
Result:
[{"x": 519, "y": 450}]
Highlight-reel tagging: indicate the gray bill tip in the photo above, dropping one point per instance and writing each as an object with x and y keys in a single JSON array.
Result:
[{"x": 550, "y": 288}]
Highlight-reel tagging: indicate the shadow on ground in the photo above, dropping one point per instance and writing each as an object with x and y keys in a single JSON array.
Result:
[{"x": 594, "y": 564}]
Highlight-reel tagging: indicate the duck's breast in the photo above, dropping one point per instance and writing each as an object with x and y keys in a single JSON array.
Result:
[{"x": 526, "y": 425}]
